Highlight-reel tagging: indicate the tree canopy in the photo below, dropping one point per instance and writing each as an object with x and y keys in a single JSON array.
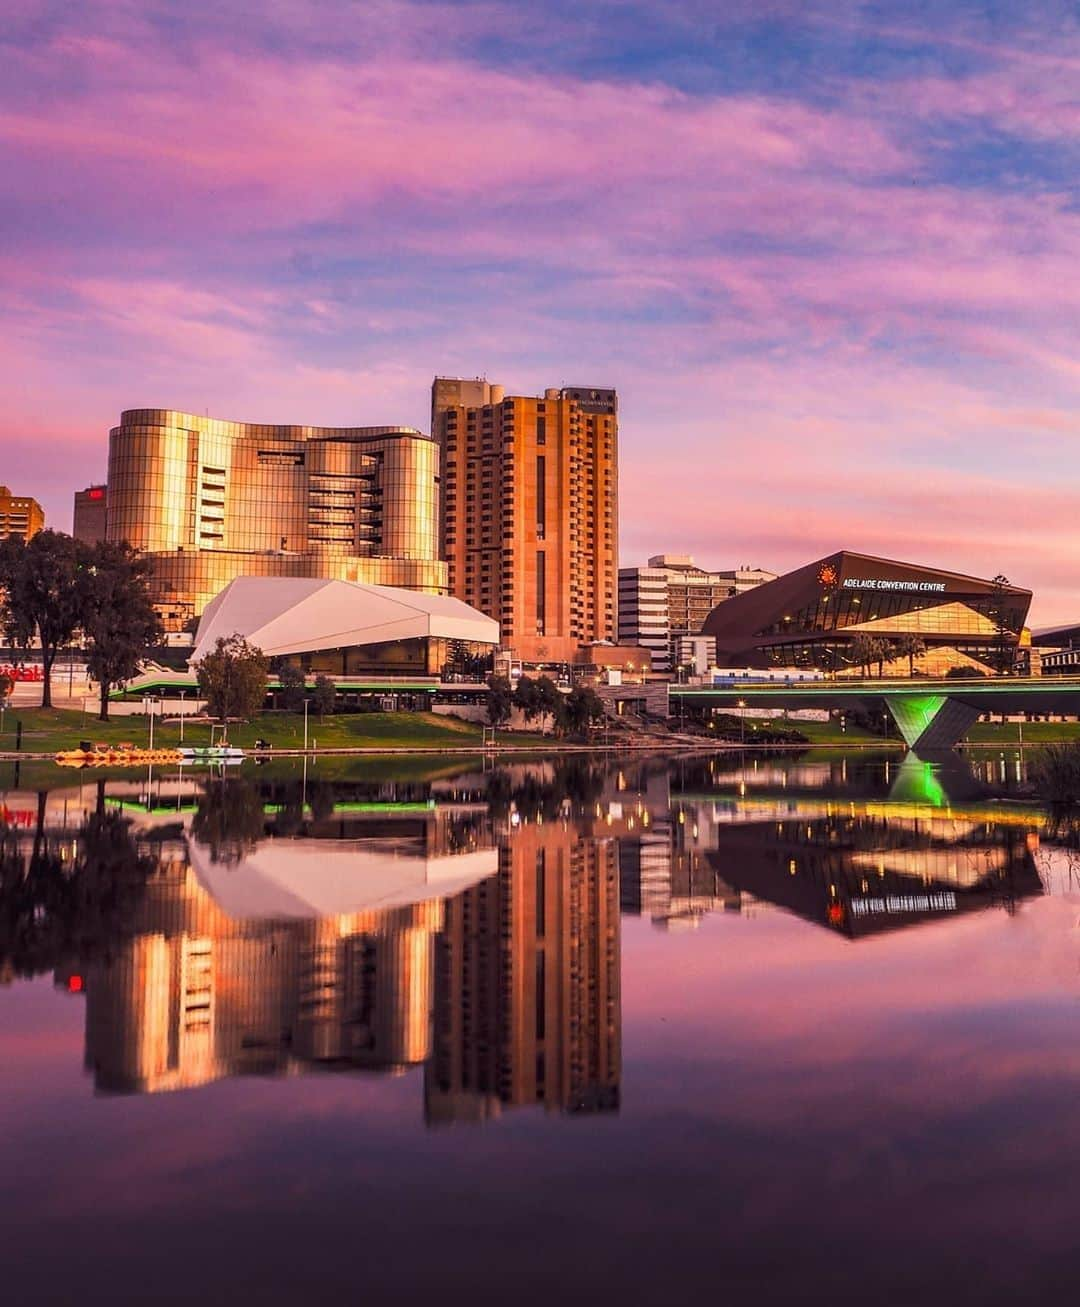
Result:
[
  {"x": 232, "y": 678},
  {"x": 500, "y": 700},
  {"x": 39, "y": 596},
  {"x": 117, "y": 618}
]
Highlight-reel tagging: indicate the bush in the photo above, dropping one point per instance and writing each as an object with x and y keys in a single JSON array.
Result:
[{"x": 1055, "y": 773}]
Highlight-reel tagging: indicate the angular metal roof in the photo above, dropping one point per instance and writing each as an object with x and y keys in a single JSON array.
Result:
[{"x": 285, "y": 614}]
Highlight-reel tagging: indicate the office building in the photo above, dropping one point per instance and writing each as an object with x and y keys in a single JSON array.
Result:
[
  {"x": 212, "y": 500},
  {"x": 671, "y": 598},
  {"x": 815, "y": 616},
  {"x": 19, "y": 515},
  {"x": 529, "y": 511},
  {"x": 88, "y": 521}
]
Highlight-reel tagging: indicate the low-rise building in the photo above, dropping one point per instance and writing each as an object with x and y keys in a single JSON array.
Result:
[
  {"x": 20, "y": 515},
  {"x": 671, "y": 598}
]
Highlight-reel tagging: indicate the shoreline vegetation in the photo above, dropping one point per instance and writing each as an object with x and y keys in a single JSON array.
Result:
[{"x": 46, "y": 732}]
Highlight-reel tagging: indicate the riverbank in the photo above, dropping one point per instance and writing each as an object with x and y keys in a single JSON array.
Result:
[{"x": 46, "y": 732}]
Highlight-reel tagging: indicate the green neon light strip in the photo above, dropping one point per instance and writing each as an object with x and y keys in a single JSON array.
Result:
[{"x": 815, "y": 689}]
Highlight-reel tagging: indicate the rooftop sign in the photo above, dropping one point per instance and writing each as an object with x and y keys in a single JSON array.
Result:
[{"x": 922, "y": 587}]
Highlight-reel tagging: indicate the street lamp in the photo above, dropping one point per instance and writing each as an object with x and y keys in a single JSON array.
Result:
[
  {"x": 742, "y": 721},
  {"x": 306, "y": 702},
  {"x": 182, "y": 693}
]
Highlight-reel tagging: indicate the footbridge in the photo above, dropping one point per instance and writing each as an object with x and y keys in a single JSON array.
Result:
[{"x": 930, "y": 714}]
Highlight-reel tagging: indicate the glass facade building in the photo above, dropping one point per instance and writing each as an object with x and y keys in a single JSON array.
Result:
[
  {"x": 211, "y": 500},
  {"x": 813, "y": 617}
]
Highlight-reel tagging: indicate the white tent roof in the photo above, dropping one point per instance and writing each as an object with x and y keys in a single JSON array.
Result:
[
  {"x": 312, "y": 878},
  {"x": 285, "y": 614}
]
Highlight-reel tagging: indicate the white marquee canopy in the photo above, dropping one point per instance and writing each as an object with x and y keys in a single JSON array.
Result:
[{"x": 284, "y": 614}]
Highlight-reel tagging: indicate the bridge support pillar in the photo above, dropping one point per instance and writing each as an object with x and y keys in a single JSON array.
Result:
[{"x": 931, "y": 721}]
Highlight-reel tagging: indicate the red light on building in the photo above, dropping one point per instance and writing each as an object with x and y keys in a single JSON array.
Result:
[
  {"x": 75, "y": 984},
  {"x": 835, "y": 914},
  {"x": 96, "y": 492}
]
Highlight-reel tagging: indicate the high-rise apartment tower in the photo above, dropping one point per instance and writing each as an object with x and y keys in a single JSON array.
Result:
[{"x": 529, "y": 515}]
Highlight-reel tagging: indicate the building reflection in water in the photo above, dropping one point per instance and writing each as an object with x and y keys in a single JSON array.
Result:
[
  {"x": 469, "y": 927},
  {"x": 449, "y": 927}
]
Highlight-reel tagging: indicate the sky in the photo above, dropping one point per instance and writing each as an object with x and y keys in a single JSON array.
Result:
[{"x": 827, "y": 250}]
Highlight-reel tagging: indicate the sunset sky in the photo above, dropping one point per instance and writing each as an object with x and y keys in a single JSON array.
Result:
[{"x": 827, "y": 251}]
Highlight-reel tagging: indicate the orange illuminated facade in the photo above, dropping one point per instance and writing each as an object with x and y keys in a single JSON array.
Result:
[
  {"x": 19, "y": 515},
  {"x": 530, "y": 511},
  {"x": 527, "y": 998}
]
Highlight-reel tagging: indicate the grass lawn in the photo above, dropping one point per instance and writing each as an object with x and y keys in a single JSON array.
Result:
[
  {"x": 53, "y": 730},
  {"x": 1034, "y": 732}
]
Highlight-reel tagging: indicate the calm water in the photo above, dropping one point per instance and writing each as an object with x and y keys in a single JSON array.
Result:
[{"x": 781, "y": 1030}]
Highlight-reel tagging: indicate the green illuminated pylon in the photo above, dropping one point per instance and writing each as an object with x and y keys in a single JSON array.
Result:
[{"x": 930, "y": 721}]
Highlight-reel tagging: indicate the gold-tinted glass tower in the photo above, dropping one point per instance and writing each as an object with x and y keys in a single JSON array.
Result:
[
  {"x": 211, "y": 500},
  {"x": 530, "y": 510}
]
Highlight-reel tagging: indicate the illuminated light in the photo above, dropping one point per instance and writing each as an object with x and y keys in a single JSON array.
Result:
[
  {"x": 95, "y": 493},
  {"x": 75, "y": 984},
  {"x": 835, "y": 913},
  {"x": 792, "y": 866}
]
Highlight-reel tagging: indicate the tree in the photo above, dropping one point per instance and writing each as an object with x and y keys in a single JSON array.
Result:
[
  {"x": 232, "y": 678},
  {"x": 880, "y": 650},
  {"x": 526, "y": 698},
  {"x": 1001, "y": 624},
  {"x": 500, "y": 700},
  {"x": 583, "y": 707},
  {"x": 551, "y": 702},
  {"x": 911, "y": 647},
  {"x": 117, "y": 618},
  {"x": 38, "y": 596},
  {"x": 323, "y": 695},
  {"x": 862, "y": 651},
  {"x": 293, "y": 688}
]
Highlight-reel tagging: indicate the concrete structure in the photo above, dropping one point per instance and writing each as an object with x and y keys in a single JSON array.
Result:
[
  {"x": 529, "y": 515},
  {"x": 342, "y": 628},
  {"x": 212, "y": 500},
  {"x": 671, "y": 598},
  {"x": 931, "y": 714},
  {"x": 696, "y": 653},
  {"x": 88, "y": 524},
  {"x": 849, "y": 611},
  {"x": 1055, "y": 650},
  {"x": 19, "y": 515}
]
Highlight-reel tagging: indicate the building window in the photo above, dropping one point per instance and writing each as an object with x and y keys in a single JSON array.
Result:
[
  {"x": 541, "y": 495},
  {"x": 541, "y": 591}
]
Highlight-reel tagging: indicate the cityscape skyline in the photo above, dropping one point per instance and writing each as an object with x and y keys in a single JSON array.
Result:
[{"x": 825, "y": 258}]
